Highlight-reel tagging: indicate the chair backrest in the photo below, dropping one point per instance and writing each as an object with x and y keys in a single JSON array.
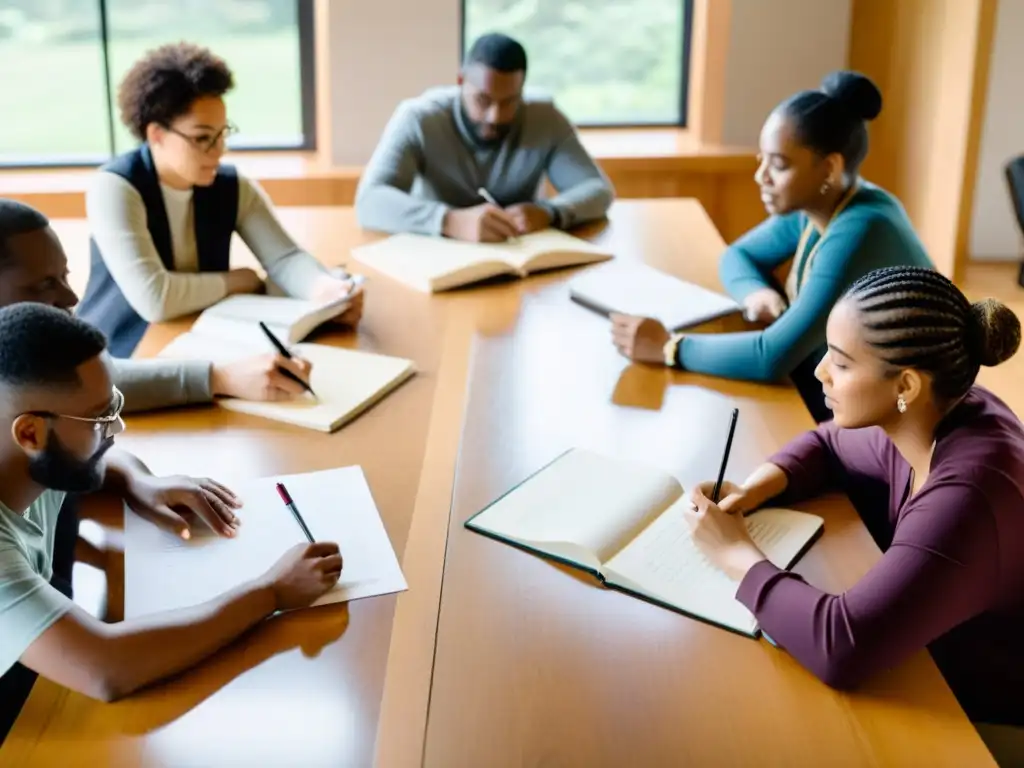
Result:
[{"x": 1014, "y": 171}]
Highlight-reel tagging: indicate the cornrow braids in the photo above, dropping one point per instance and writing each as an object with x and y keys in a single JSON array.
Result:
[{"x": 917, "y": 318}]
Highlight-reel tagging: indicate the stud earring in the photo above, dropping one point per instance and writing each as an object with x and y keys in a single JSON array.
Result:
[
  {"x": 825, "y": 187},
  {"x": 901, "y": 404}
]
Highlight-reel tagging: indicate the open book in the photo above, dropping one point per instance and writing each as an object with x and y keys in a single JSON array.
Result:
[
  {"x": 236, "y": 318},
  {"x": 164, "y": 572},
  {"x": 624, "y": 523},
  {"x": 433, "y": 264},
  {"x": 636, "y": 289},
  {"x": 346, "y": 382}
]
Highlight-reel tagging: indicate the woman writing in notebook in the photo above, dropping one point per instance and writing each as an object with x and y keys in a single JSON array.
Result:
[
  {"x": 944, "y": 462},
  {"x": 162, "y": 216},
  {"x": 830, "y": 227}
]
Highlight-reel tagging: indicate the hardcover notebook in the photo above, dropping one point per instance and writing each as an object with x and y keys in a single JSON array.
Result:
[
  {"x": 636, "y": 289},
  {"x": 623, "y": 522},
  {"x": 347, "y": 382},
  {"x": 433, "y": 264},
  {"x": 236, "y": 318},
  {"x": 164, "y": 572}
]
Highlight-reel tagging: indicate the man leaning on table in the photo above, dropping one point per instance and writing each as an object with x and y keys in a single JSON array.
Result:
[
  {"x": 33, "y": 267},
  {"x": 61, "y": 411},
  {"x": 443, "y": 153}
]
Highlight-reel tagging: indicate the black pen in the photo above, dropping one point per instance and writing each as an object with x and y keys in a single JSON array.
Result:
[
  {"x": 287, "y": 499},
  {"x": 286, "y": 354},
  {"x": 725, "y": 457}
]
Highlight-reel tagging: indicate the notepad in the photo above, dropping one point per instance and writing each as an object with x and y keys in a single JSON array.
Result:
[
  {"x": 237, "y": 318},
  {"x": 636, "y": 289},
  {"x": 164, "y": 572},
  {"x": 433, "y": 264},
  {"x": 346, "y": 382},
  {"x": 624, "y": 523}
]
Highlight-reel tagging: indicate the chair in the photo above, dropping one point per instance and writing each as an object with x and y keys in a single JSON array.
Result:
[{"x": 1014, "y": 171}]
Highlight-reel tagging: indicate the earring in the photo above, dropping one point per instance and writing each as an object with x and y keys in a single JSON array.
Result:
[
  {"x": 825, "y": 187},
  {"x": 901, "y": 404}
]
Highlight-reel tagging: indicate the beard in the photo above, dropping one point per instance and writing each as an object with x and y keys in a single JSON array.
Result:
[
  {"x": 500, "y": 132},
  {"x": 59, "y": 469}
]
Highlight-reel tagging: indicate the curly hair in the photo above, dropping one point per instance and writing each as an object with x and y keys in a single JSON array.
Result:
[{"x": 164, "y": 83}]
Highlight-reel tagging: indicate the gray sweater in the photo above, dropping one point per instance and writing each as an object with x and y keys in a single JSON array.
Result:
[
  {"x": 151, "y": 384},
  {"x": 426, "y": 163}
]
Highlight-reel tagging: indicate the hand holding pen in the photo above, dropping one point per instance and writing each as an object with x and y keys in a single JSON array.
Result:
[{"x": 287, "y": 355}]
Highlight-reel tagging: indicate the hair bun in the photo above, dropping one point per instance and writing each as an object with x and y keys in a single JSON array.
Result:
[
  {"x": 855, "y": 91},
  {"x": 995, "y": 332}
]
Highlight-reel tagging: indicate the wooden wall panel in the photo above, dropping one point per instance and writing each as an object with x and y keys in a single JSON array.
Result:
[{"x": 930, "y": 59}]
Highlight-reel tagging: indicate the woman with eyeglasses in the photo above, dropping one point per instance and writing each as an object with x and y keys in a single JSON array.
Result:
[{"x": 161, "y": 216}]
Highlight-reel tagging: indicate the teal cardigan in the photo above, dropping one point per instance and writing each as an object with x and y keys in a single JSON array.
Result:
[{"x": 871, "y": 232}]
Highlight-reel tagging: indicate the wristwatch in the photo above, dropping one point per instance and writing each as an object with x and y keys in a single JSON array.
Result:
[{"x": 671, "y": 350}]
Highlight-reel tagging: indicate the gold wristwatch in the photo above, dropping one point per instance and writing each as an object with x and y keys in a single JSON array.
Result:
[{"x": 671, "y": 350}]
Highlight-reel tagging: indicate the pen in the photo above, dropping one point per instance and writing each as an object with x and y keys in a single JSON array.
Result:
[
  {"x": 287, "y": 499},
  {"x": 490, "y": 199},
  {"x": 725, "y": 457},
  {"x": 285, "y": 353}
]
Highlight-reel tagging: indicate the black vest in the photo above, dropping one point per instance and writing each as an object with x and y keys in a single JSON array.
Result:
[{"x": 215, "y": 212}]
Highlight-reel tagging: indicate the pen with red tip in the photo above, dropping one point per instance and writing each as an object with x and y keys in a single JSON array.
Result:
[{"x": 287, "y": 499}]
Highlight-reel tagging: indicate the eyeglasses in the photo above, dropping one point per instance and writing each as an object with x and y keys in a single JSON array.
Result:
[
  {"x": 206, "y": 143},
  {"x": 109, "y": 424}
]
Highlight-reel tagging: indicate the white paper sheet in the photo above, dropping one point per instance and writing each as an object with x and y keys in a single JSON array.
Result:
[{"x": 164, "y": 572}]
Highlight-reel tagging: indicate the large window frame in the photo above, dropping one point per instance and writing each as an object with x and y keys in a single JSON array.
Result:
[
  {"x": 307, "y": 83},
  {"x": 686, "y": 35}
]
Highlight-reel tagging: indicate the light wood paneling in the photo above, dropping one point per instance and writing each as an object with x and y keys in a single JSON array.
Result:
[{"x": 930, "y": 59}]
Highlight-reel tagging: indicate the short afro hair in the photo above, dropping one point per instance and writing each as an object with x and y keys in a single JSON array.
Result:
[
  {"x": 16, "y": 218},
  {"x": 498, "y": 52},
  {"x": 163, "y": 85},
  {"x": 25, "y": 362}
]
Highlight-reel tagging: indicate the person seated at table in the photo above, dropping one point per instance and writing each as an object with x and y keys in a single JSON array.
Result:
[
  {"x": 943, "y": 458},
  {"x": 161, "y": 216},
  {"x": 61, "y": 412},
  {"x": 33, "y": 267},
  {"x": 830, "y": 225},
  {"x": 445, "y": 151}
]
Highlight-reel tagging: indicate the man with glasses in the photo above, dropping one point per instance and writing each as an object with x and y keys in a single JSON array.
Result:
[
  {"x": 468, "y": 161},
  {"x": 162, "y": 216},
  {"x": 61, "y": 413}
]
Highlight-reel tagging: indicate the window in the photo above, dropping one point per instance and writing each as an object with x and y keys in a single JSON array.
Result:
[
  {"x": 61, "y": 107},
  {"x": 605, "y": 62}
]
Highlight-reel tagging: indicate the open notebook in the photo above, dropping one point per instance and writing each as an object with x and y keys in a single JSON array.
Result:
[
  {"x": 624, "y": 523},
  {"x": 164, "y": 572},
  {"x": 433, "y": 264},
  {"x": 636, "y": 289},
  {"x": 291, "y": 320},
  {"x": 346, "y": 382}
]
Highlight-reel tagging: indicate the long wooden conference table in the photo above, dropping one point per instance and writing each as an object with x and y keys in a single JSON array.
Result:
[{"x": 495, "y": 657}]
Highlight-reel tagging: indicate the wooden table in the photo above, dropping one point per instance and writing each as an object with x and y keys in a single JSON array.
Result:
[{"x": 494, "y": 657}]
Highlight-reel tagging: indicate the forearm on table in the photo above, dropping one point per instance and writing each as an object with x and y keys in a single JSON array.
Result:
[
  {"x": 388, "y": 209},
  {"x": 122, "y": 468},
  {"x": 151, "y": 384},
  {"x": 765, "y": 483},
  {"x": 150, "y": 649}
]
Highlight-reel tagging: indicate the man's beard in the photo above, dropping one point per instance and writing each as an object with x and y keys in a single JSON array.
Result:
[
  {"x": 57, "y": 468},
  {"x": 501, "y": 132}
]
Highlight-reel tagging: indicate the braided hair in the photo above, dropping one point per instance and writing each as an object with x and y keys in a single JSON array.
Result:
[{"x": 916, "y": 318}]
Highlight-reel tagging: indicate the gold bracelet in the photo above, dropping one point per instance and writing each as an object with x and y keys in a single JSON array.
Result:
[{"x": 671, "y": 350}]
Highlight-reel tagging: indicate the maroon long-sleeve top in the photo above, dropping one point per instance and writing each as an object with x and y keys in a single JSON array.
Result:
[{"x": 952, "y": 578}]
